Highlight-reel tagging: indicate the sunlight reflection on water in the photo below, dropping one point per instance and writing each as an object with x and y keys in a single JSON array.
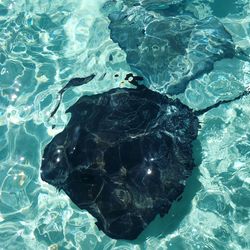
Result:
[{"x": 42, "y": 45}]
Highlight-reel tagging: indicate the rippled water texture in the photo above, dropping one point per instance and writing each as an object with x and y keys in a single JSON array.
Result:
[{"x": 45, "y": 43}]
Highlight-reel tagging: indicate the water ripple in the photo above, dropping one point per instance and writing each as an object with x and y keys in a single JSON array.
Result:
[{"x": 45, "y": 43}]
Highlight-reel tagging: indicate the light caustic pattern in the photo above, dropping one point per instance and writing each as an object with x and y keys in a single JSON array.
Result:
[{"x": 45, "y": 43}]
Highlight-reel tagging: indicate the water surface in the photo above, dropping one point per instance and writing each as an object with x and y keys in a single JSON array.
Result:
[{"x": 43, "y": 44}]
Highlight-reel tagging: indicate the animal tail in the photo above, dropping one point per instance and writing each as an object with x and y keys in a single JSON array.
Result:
[
  {"x": 203, "y": 111},
  {"x": 77, "y": 82},
  {"x": 72, "y": 83}
]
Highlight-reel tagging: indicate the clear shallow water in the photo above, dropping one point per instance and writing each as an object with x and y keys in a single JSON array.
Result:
[{"x": 42, "y": 46}]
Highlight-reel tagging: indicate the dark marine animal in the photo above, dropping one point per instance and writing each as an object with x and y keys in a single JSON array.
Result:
[
  {"x": 124, "y": 156},
  {"x": 169, "y": 49}
]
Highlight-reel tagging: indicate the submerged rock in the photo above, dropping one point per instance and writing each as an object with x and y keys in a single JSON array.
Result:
[{"x": 171, "y": 48}]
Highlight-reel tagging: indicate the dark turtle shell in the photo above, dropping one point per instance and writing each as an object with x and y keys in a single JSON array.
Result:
[{"x": 124, "y": 157}]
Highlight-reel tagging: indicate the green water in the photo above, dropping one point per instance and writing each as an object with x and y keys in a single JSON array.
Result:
[
  {"x": 42, "y": 45},
  {"x": 222, "y": 8}
]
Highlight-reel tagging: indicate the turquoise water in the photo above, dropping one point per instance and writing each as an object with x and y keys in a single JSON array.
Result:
[{"x": 43, "y": 44}]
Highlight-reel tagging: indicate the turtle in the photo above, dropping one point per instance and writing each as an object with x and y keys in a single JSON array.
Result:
[{"x": 124, "y": 156}]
